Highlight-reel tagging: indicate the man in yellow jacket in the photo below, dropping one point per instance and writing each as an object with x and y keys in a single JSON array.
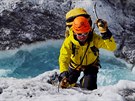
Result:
[{"x": 77, "y": 54}]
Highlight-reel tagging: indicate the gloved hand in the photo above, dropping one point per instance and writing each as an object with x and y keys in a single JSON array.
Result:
[
  {"x": 102, "y": 25},
  {"x": 64, "y": 83}
]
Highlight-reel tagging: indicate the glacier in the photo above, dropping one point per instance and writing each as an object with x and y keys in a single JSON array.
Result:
[
  {"x": 37, "y": 89},
  {"x": 116, "y": 78}
]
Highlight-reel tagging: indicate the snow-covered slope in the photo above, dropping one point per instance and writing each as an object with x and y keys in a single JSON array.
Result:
[{"x": 37, "y": 89}]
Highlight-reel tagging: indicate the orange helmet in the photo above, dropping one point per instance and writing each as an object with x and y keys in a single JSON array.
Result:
[{"x": 81, "y": 25}]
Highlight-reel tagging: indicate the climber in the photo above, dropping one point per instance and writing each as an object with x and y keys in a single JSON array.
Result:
[{"x": 79, "y": 52}]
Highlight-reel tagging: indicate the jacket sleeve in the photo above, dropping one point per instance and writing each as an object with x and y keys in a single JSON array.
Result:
[
  {"x": 105, "y": 42},
  {"x": 65, "y": 54}
]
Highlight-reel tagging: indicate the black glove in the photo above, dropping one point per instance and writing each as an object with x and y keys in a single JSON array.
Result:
[
  {"x": 63, "y": 79},
  {"x": 106, "y": 35},
  {"x": 103, "y": 28},
  {"x": 63, "y": 75}
]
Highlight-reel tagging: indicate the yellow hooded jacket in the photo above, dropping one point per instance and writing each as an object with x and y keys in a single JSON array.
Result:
[{"x": 66, "y": 55}]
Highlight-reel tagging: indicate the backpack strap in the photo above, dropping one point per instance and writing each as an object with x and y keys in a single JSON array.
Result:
[
  {"x": 73, "y": 48},
  {"x": 95, "y": 50}
]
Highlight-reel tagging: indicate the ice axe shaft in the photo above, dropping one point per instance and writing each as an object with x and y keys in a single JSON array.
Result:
[
  {"x": 95, "y": 11},
  {"x": 99, "y": 20}
]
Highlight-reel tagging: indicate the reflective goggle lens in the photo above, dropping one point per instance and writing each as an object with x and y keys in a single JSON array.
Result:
[{"x": 81, "y": 34}]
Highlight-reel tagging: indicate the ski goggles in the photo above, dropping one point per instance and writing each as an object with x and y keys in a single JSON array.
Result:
[{"x": 82, "y": 34}]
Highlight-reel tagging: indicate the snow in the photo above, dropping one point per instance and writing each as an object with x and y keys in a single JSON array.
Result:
[
  {"x": 37, "y": 89},
  {"x": 8, "y": 4}
]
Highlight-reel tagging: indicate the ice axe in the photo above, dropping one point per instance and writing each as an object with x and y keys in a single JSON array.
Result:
[{"x": 102, "y": 24}]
